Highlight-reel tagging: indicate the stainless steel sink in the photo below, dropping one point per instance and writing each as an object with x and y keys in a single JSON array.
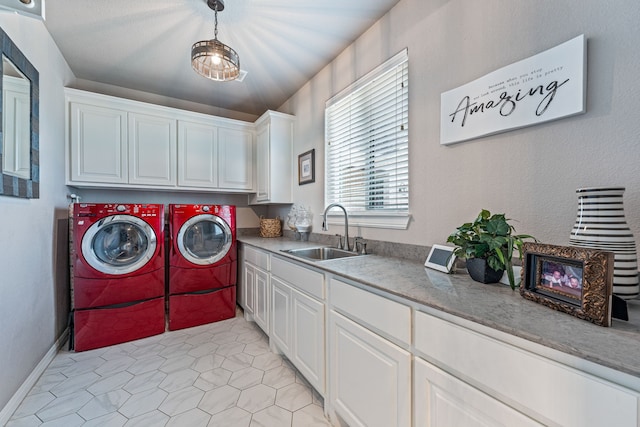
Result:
[{"x": 321, "y": 254}]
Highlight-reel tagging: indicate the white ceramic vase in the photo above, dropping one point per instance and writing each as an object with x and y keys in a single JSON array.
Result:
[{"x": 601, "y": 224}]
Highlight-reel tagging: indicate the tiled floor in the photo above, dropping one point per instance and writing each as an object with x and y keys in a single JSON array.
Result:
[{"x": 221, "y": 374}]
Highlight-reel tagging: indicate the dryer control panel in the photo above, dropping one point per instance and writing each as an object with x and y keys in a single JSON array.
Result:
[{"x": 102, "y": 209}]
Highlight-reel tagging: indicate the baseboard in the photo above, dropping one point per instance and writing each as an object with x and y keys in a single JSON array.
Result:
[{"x": 26, "y": 386}]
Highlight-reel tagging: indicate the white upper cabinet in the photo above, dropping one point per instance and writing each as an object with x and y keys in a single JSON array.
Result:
[
  {"x": 98, "y": 144},
  {"x": 152, "y": 150},
  {"x": 235, "y": 149},
  {"x": 119, "y": 143},
  {"x": 274, "y": 158},
  {"x": 197, "y": 155}
]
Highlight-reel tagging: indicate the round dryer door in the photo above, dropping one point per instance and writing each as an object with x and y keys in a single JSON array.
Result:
[
  {"x": 119, "y": 244},
  {"x": 204, "y": 239}
]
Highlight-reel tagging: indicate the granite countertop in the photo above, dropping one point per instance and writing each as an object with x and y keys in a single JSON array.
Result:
[{"x": 495, "y": 306}]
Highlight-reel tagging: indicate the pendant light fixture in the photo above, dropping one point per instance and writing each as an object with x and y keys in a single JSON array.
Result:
[{"x": 212, "y": 58}]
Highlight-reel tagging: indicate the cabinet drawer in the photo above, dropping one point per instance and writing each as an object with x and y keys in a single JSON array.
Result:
[
  {"x": 548, "y": 391},
  {"x": 388, "y": 316},
  {"x": 256, "y": 257},
  {"x": 301, "y": 278}
]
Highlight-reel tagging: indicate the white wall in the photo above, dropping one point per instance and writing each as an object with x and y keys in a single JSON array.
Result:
[
  {"x": 530, "y": 174},
  {"x": 33, "y": 260}
]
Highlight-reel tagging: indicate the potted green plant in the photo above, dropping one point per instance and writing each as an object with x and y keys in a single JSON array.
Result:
[{"x": 487, "y": 244}]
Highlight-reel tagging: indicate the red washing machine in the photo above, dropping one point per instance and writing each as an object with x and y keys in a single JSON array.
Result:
[
  {"x": 202, "y": 264},
  {"x": 118, "y": 273}
]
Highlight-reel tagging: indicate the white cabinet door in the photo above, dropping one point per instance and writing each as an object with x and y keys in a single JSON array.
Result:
[
  {"x": 235, "y": 159},
  {"x": 249, "y": 291},
  {"x": 98, "y": 139},
  {"x": 441, "y": 400},
  {"x": 197, "y": 155},
  {"x": 370, "y": 378},
  {"x": 274, "y": 158},
  {"x": 281, "y": 315},
  {"x": 308, "y": 338},
  {"x": 263, "y": 169},
  {"x": 152, "y": 150},
  {"x": 261, "y": 313}
]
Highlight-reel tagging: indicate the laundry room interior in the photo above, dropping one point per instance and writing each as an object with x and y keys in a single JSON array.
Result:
[{"x": 231, "y": 213}]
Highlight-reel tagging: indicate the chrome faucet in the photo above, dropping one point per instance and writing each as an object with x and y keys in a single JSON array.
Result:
[{"x": 325, "y": 227}]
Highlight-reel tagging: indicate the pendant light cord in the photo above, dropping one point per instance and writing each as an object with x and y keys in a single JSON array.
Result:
[{"x": 215, "y": 14}]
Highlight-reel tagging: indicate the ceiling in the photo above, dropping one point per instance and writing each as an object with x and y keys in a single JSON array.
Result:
[{"x": 146, "y": 44}]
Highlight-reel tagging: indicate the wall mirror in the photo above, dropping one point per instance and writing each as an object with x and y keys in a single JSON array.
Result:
[{"x": 19, "y": 150}]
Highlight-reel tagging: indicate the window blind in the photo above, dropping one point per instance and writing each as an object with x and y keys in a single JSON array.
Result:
[{"x": 367, "y": 141}]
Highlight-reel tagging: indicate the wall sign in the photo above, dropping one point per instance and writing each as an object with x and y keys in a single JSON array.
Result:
[{"x": 544, "y": 87}]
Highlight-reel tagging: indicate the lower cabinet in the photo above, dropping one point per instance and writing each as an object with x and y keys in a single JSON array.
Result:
[
  {"x": 370, "y": 377},
  {"x": 261, "y": 309},
  {"x": 441, "y": 399},
  {"x": 298, "y": 319},
  {"x": 254, "y": 286}
]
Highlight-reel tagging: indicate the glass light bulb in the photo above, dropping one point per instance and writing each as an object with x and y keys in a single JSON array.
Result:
[{"x": 216, "y": 59}]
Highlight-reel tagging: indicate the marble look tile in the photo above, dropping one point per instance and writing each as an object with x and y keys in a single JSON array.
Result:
[
  {"x": 237, "y": 361},
  {"x": 230, "y": 348},
  {"x": 146, "y": 364},
  {"x": 176, "y": 350},
  {"x": 150, "y": 419},
  {"x": 113, "y": 366},
  {"x": 144, "y": 351},
  {"x": 212, "y": 379},
  {"x": 272, "y": 416},
  {"x": 207, "y": 363},
  {"x": 219, "y": 399},
  {"x": 256, "y": 398},
  {"x": 83, "y": 367},
  {"x": 28, "y": 421},
  {"x": 177, "y": 363},
  {"x": 203, "y": 349},
  {"x": 71, "y": 420},
  {"x": 201, "y": 338},
  {"x": 225, "y": 337},
  {"x": 104, "y": 404},
  {"x": 177, "y": 380},
  {"x": 146, "y": 381},
  {"x": 249, "y": 337},
  {"x": 89, "y": 354},
  {"x": 110, "y": 383},
  {"x": 245, "y": 378},
  {"x": 294, "y": 397},
  {"x": 63, "y": 406},
  {"x": 232, "y": 417},
  {"x": 74, "y": 384},
  {"x": 143, "y": 402},
  {"x": 181, "y": 401},
  {"x": 173, "y": 338},
  {"x": 192, "y": 418},
  {"x": 279, "y": 377},
  {"x": 267, "y": 361},
  {"x": 256, "y": 348},
  {"x": 119, "y": 350},
  {"x": 114, "y": 419},
  {"x": 310, "y": 416},
  {"x": 32, "y": 404},
  {"x": 47, "y": 381}
]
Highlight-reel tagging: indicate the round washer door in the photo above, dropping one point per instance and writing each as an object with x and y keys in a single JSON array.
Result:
[
  {"x": 204, "y": 239},
  {"x": 119, "y": 244}
]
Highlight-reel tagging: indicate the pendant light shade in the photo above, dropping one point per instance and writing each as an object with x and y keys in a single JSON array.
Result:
[{"x": 212, "y": 58}]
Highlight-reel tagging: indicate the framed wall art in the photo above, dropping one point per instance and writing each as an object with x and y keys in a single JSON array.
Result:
[
  {"x": 307, "y": 167},
  {"x": 576, "y": 281}
]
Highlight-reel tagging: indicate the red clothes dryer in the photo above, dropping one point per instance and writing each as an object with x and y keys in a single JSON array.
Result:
[
  {"x": 202, "y": 264},
  {"x": 118, "y": 282}
]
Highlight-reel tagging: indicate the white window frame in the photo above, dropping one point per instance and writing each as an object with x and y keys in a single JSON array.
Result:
[{"x": 371, "y": 218}]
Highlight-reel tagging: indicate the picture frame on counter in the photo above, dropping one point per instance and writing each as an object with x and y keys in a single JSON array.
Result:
[
  {"x": 576, "y": 281},
  {"x": 441, "y": 258},
  {"x": 307, "y": 167}
]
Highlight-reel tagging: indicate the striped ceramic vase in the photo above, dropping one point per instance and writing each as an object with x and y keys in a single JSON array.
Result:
[{"x": 601, "y": 225}]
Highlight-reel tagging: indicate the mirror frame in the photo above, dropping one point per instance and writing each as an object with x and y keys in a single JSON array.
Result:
[{"x": 12, "y": 185}]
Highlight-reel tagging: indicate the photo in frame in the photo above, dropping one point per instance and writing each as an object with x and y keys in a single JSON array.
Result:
[
  {"x": 573, "y": 280},
  {"x": 306, "y": 167},
  {"x": 440, "y": 258}
]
